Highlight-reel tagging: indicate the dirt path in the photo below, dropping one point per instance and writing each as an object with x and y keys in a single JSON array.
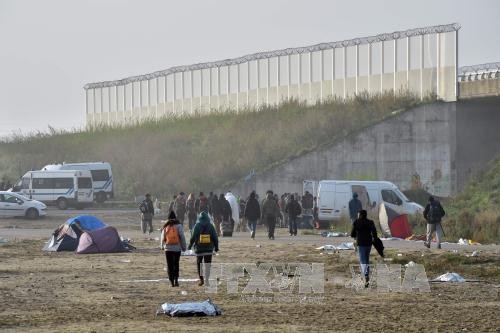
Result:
[{"x": 65, "y": 292}]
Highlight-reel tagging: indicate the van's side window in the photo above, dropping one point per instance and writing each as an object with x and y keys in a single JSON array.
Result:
[
  {"x": 390, "y": 197},
  {"x": 46, "y": 183},
  {"x": 84, "y": 182},
  {"x": 63, "y": 183},
  {"x": 100, "y": 175}
]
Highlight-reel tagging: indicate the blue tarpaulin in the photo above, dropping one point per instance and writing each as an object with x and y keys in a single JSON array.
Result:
[{"x": 87, "y": 222}]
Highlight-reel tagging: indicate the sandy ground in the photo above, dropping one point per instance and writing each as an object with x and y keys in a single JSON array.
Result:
[{"x": 65, "y": 292}]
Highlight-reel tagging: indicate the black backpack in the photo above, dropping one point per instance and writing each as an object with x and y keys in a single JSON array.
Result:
[{"x": 435, "y": 214}]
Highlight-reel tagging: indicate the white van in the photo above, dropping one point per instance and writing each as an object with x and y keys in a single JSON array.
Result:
[
  {"x": 61, "y": 187},
  {"x": 102, "y": 176},
  {"x": 334, "y": 196}
]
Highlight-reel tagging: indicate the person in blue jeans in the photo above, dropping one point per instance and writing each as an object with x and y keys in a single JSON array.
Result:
[
  {"x": 365, "y": 232},
  {"x": 252, "y": 213}
]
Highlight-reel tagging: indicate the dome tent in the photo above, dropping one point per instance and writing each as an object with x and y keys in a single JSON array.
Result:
[{"x": 67, "y": 235}]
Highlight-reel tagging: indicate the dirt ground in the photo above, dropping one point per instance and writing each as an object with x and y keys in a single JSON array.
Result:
[{"x": 65, "y": 292}]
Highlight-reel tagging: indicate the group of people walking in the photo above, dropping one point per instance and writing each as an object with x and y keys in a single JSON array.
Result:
[{"x": 201, "y": 211}]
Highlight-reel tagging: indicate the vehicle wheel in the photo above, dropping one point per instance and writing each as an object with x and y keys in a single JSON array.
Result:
[
  {"x": 100, "y": 197},
  {"x": 62, "y": 203},
  {"x": 32, "y": 214}
]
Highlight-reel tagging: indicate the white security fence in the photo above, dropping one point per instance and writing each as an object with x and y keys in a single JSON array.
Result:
[{"x": 423, "y": 61}]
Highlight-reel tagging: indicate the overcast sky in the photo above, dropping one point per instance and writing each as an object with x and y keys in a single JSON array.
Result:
[{"x": 50, "y": 48}]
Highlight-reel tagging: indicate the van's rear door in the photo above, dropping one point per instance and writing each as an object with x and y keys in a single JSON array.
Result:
[{"x": 343, "y": 194}]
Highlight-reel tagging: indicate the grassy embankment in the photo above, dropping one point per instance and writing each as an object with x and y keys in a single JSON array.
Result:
[
  {"x": 475, "y": 212},
  {"x": 200, "y": 152},
  {"x": 472, "y": 214}
]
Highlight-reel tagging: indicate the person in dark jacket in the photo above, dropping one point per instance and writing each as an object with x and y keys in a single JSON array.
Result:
[
  {"x": 205, "y": 241},
  {"x": 216, "y": 213},
  {"x": 252, "y": 213},
  {"x": 293, "y": 210},
  {"x": 191, "y": 211},
  {"x": 365, "y": 232},
  {"x": 173, "y": 249},
  {"x": 226, "y": 212},
  {"x": 433, "y": 213},
  {"x": 270, "y": 211},
  {"x": 147, "y": 213},
  {"x": 355, "y": 207}
]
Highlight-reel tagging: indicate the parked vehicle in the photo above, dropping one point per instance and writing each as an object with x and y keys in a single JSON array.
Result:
[
  {"x": 334, "y": 196},
  {"x": 15, "y": 205},
  {"x": 64, "y": 188},
  {"x": 102, "y": 176}
]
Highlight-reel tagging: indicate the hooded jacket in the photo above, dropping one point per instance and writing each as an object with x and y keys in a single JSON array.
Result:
[
  {"x": 270, "y": 207},
  {"x": 204, "y": 226}
]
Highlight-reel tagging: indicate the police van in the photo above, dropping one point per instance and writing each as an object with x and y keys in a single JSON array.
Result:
[
  {"x": 102, "y": 176},
  {"x": 334, "y": 196},
  {"x": 64, "y": 188}
]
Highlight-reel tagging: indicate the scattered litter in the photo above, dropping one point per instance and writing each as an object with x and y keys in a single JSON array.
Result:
[
  {"x": 343, "y": 246},
  {"x": 388, "y": 259},
  {"x": 258, "y": 245},
  {"x": 390, "y": 238},
  {"x": 333, "y": 234},
  {"x": 206, "y": 308},
  {"x": 416, "y": 238},
  {"x": 184, "y": 293},
  {"x": 188, "y": 253},
  {"x": 464, "y": 241},
  {"x": 400, "y": 254},
  {"x": 475, "y": 253},
  {"x": 3, "y": 241},
  {"x": 410, "y": 264},
  {"x": 449, "y": 277},
  {"x": 454, "y": 251},
  {"x": 188, "y": 280},
  {"x": 125, "y": 260}
]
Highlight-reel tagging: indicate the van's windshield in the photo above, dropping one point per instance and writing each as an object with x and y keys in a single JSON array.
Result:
[{"x": 401, "y": 195}]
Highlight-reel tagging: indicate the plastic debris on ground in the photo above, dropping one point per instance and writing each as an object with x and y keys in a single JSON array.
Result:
[
  {"x": 400, "y": 254},
  {"x": 390, "y": 238},
  {"x": 464, "y": 241},
  {"x": 3, "y": 241},
  {"x": 189, "y": 309},
  {"x": 333, "y": 234},
  {"x": 343, "y": 246},
  {"x": 450, "y": 277},
  {"x": 410, "y": 264},
  {"x": 188, "y": 253}
]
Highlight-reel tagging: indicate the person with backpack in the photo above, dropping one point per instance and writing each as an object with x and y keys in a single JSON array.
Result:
[
  {"x": 147, "y": 213},
  {"x": 270, "y": 211},
  {"x": 252, "y": 213},
  {"x": 293, "y": 210},
  {"x": 365, "y": 233},
  {"x": 191, "y": 211},
  {"x": 205, "y": 241},
  {"x": 172, "y": 241},
  {"x": 434, "y": 213}
]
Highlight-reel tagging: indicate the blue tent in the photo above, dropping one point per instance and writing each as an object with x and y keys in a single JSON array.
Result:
[
  {"x": 86, "y": 222},
  {"x": 67, "y": 236}
]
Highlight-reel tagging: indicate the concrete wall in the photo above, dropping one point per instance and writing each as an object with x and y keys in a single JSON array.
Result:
[
  {"x": 438, "y": 146},
  {"x": 479, "y": 88}
]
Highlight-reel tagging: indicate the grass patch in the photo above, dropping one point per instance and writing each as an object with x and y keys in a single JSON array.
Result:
[{"x": 201, "y": 152}]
